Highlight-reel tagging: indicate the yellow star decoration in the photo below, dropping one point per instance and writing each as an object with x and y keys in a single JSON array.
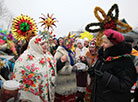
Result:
[
  {"x": 86, "y": 34},
  {"x": 22, "y": 26}
]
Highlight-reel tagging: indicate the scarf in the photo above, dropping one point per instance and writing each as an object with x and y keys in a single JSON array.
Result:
[{"x": 110, "y": 58}]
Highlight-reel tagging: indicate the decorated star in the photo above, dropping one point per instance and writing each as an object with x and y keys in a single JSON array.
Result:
[
  {"x": 86, "y": 34},
  {"x": 109, "y": 21},
  {"x": 22, "y": 26},
  {"x": 48, "y": 22}
]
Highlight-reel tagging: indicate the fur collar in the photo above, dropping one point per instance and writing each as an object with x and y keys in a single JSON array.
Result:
[{"x": 116, "y": 50}]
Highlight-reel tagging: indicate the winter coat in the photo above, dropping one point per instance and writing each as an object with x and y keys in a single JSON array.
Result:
[
  {"x": 66, "y": 79},
  {"x": 119, "y": 75}
]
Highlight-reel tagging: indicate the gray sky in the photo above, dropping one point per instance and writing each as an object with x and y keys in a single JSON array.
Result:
[{"x": 72, "y": 15}]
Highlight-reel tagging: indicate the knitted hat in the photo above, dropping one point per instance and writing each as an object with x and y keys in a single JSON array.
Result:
[{"x": 114, "y": 36}]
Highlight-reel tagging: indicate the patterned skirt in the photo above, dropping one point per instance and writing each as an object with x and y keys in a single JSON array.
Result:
[
  {"x": 81, "y": 84},
  {"x": 87, "y": 97}
]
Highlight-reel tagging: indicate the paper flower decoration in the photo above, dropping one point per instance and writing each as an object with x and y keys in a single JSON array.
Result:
[
  {"x": 48, "y": 21},
  {"x": 109, "y": 21},
  {"x": 8, "y": 38},
  {"x": 86, "y": 35},
  {"x": 22, "y": 25}
]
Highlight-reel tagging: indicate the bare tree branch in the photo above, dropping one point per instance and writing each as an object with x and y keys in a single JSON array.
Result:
[{"x": 5, "y": 16}]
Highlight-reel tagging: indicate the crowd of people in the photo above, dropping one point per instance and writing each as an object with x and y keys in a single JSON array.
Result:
[
  {"x": 71, "y": 68},
  {"x": 67, "y": 70}
]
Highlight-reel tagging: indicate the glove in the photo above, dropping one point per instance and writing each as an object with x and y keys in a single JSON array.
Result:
[
  {"x": 91, "y": 72},
  {"x": 94, "y": 72}
]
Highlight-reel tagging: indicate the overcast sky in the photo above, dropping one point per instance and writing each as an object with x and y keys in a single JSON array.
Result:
[{"x": 72, "y": 15}]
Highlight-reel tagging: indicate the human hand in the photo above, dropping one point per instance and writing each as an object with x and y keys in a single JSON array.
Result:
[
  {"x": 94, "y": 72},
  {"x": 91, "y": 72},
  {"x": 83, "y": 58},
  {"x": 63, "y": 58},
  {"x": 74, "y": 68}
]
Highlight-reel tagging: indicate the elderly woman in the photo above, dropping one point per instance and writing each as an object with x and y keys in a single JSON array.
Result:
[{"x": 35, "y": 70}]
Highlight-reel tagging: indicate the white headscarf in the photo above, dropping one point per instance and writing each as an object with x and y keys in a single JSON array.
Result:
[
  {"x": 80, "y": 41},
  {"x": 34, "y": 46},
  {"x": 86, "y": 39}
]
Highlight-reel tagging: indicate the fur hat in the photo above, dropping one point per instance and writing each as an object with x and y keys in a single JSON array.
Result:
[{"x": 114, "y": 36}]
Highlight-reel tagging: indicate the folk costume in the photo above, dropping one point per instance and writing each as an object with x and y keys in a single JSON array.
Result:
[
  {"x": 66, "y": 78},
  {"x": 35, "y": 70},
  {"x": 81, "y": 75},
  {"x": 91, "y": 56}
]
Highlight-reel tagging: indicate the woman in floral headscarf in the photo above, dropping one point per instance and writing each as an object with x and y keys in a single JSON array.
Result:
[
  {"x": 35, "y": 70},
  {"x": 91, "y": 56},
  {"x": 66, "y": 77}
]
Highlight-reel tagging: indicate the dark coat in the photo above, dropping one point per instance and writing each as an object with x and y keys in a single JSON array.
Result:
[{"x": 119, "y": 75}]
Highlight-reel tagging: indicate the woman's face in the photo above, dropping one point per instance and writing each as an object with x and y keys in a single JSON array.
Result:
[
  {"x": 106, "y": 43},
  {"x": 92, "y": 49},
  {"x": 79, "y": 45},
  {"x": 55, "y": 41},
  {"x": 50, "y": 40},
  {"x": 43, "y": 46},
  {"x": 61, "y": 42}
]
